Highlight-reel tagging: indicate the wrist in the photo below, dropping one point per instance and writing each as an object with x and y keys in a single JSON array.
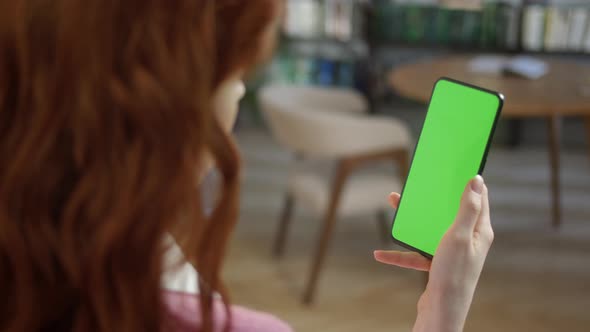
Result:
[{"x": 438, "y": 312}]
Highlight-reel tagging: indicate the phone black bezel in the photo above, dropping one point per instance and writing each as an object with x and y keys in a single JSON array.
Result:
[{"x": 484, "y": 158}]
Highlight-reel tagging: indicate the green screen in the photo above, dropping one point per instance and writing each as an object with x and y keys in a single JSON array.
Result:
[{"x": 459, "y": 123}]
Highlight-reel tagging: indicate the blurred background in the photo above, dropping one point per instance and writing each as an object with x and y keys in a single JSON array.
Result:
[{"x": 326, "y": 131}]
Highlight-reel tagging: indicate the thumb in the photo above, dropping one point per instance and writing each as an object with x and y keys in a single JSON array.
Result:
[{"x": 471, "y": 205}]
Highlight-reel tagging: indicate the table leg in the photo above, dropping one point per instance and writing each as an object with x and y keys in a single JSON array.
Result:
[
  {"x": 554, "y": 128},
  {"x": 588, "y": 132},
  {"x": 514, "y": 132}
]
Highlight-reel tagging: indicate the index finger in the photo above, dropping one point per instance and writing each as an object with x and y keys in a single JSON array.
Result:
[
  {"x": 393, "y": 199},
  {"x": 405, "y": 259}
]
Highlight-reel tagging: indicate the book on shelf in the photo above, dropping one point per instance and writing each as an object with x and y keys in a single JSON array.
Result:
[
  {"x": 510, "y": 15},
  {"x": 444, "y": 19},
  {"x": 556, "y": 28},
  {"x": 586, "y": 44},
  {"x": 577, "y": 29},
  {"x": 462, "y": 4},
  {"x": 346, "y": 74},
  {"x": 530, "y": 25},
  {"x": 302, "y": 19},
  {"x": 560, "y": 27},
  {"x": 488, "y": 25},
  {"x": 301, "y": 70},
  {"x": 533, "y": 28},
  {"x": 332, "y": 19},
  {"x": 470, "y": 27},
  {"x": 500, "y": 26},
  {"x": 415, "y": 24},
  {"x": 339, "y": 19}
]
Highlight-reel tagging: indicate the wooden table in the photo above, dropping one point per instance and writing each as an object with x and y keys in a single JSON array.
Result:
[{"x": 564, "y": 91}]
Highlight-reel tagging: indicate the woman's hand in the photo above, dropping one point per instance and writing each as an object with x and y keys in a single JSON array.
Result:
[{"x": 457, "y": 263}]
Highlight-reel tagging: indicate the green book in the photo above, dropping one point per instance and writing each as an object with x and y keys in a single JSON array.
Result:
[
  {"x": 443, "y": 25},
  {"x": 414, "y": 24}
]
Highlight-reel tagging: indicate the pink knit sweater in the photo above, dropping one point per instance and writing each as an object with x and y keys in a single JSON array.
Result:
[{"x": 185, "y": 309}]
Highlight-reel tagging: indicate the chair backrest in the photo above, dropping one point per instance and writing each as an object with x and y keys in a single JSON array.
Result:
[
  {"x": 317, "y": 97},
  {"x": 299, "y": 117}
]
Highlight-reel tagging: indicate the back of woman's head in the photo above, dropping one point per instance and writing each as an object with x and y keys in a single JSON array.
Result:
[{"x": 105, "y": 119}]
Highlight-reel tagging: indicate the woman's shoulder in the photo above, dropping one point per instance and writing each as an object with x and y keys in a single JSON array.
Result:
[{"x": 185, "y": 310}]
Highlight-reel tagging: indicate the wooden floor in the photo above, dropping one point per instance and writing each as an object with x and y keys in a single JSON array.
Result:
[{"x": 536, "y": 279}]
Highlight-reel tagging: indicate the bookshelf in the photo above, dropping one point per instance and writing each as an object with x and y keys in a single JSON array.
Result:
[
  {"x": 322, "y": 42},
  {"x": 501, "y": 26},
  {"x": 348, "y": 42}
]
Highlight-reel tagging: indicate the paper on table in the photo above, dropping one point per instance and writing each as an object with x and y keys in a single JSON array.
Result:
[
  {"x": 524, "y": 66},
  {"x": 527, "y": 67},
  {"x": 488, "y": 64}
]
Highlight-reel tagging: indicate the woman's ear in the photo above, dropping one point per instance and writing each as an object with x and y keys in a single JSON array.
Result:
[{"x": 226, "y": 101}]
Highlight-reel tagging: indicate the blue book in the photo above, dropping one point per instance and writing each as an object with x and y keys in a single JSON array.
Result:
[{"x": 325, "y": 72}]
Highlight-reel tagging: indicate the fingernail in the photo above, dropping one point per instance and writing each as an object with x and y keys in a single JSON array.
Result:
[
  {"x": 477, "y": 185},
  {"x": 376, "y": 255}
]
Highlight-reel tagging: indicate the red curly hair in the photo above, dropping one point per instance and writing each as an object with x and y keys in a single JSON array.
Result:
[{"x": 105, "y": 122}]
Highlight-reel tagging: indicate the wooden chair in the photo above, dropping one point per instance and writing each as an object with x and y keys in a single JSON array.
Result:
[{"x": 329, "y": 123}]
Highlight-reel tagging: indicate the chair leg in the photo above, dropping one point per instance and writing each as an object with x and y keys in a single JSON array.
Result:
[
  {"x": 284, "y": 222},
  {"x": 318, "y": 260},
  {"x": 383, "y": 226},
  {"x": 515, "y": 132},
  {"x": 554, "y": 128},
  {"x": 325, "y": 234}
]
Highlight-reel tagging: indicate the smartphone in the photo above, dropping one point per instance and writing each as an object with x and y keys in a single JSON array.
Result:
[{"x": 451, "y": 150}]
